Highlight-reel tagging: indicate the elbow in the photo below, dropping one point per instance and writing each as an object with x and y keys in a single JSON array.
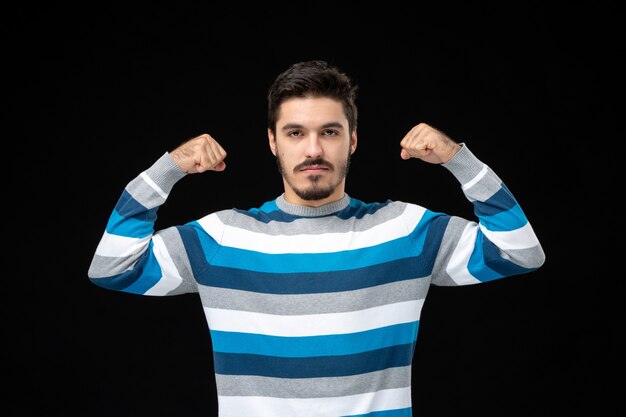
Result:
[{"x": 541, "y": 257}]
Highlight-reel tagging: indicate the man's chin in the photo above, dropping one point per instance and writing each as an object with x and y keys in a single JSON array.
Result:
[{"x": 314, "y": 193}]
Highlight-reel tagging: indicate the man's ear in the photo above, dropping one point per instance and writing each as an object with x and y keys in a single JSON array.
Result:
[
  {"x": 353, "y": 142},
  {"x": 272, "y": 140}
]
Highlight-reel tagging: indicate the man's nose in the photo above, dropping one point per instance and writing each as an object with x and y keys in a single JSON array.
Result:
[{"x": 313, "y": 146}]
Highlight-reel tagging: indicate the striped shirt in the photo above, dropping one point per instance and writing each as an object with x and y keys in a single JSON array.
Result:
[{"x": 314, "y": 311}]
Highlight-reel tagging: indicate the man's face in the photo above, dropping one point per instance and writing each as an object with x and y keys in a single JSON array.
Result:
[{"x": 312, "y": 148}]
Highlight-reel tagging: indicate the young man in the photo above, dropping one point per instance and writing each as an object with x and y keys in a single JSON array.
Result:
[{"x": 313, "y": 299}]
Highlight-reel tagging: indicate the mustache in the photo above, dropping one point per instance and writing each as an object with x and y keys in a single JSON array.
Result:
[{"x": 311, "y": 162}]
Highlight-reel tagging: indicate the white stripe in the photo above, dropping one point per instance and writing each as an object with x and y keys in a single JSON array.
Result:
[
  {"x": 390, "y": 399},
  {"x": 477, "y": 178},
  {"x": 153, "y": 185},
  {"x": 121, "y": 246},
  {"x": 314, "y": 243},
  {"x": 457, "y": 266},
  {"x": 313, "y": 324},
  {"x": 171, "y": 278},
  {"x": 521, "y": 238}
]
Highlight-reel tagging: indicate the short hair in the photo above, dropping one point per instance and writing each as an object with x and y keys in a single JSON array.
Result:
[{"x": 314, "y": 78}]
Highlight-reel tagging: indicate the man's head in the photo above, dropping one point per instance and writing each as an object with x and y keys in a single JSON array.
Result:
[{"x": 312, "y": 131}]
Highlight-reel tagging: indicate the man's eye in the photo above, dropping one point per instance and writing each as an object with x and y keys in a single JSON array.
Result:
[
  {"x": 294, "y": 134},
  {"x": 330, "y": 133}
]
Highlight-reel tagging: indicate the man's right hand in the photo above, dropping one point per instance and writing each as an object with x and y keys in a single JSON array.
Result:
[{"x": 200, "y": 154}]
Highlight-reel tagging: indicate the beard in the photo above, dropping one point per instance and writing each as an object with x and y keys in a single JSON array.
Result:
[{"x": 315, "y": 191}]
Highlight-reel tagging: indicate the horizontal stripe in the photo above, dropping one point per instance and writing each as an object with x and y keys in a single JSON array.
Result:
[
  {"x": 104, "y": 266},
  {"x": 131, "y": 227},
  {"x": 301, "y": 304},
  {"x": 503, "y": 221},
  {"x": 128, "y": 207},
  {"x": 313, "y": 367},
  {"x": 501, "y": 200},
  {"x": 392, "y": 399},
  {"x": 476, "y": 179},
  {"x": 249, "y": 385},
  {"x": 120, "y": 246},
  {"x": 522, "y": 238},
  {"x": 314, "y": 324},
  {"x": 316, "y": 242},
  {"x": 304, "y": 346},
  {"x": 153, "y": 185}
]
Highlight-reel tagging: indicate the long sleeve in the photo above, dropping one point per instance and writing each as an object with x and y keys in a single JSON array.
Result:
[
  {"x": 502, "y": 243},
  {"x": 130, "y": 257}
]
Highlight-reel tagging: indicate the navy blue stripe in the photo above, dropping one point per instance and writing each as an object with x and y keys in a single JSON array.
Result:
[
  {"x": 315, "y": 282},
  {"x": 127, "y": 207},
  {"x": 313, "y": 367},
  {"x": 501, "y": 201}
]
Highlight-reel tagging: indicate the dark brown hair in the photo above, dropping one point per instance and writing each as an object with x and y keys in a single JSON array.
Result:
[{"x": 312, "y": 79}]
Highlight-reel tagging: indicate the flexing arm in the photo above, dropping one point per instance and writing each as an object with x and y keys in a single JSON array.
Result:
[
  {"x": 131, "y": 257},
  {"x": 502, "y": 242}
]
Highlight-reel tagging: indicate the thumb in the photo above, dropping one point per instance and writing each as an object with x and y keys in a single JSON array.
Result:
[
  {"x": 220, "y": 167},
  {"x": 404, "y": 154}
]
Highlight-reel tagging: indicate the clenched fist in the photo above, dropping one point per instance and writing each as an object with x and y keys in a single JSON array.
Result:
[
  {"x": 428, "y": 144},
  {"x": 200, "y": 154}
]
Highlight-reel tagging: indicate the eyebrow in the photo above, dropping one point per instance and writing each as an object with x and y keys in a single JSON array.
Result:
[{"x": 336, "y": 125}]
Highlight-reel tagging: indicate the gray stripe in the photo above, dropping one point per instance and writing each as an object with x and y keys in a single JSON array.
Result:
[
  {"x": 241, "y": 385},
  {"x": 485, "y": 188},
  {"x": 528, "y": 258},
  {"x": 176, "y": 249},
  {"x": 296, "y": 304},
  {"x": 312, "y": 226},
  {"x": 451, "y": 237},
  {"x": 464, "y": 165},
  {"x": 107, "y": 266},
  {"x": 308, "y": 211}
]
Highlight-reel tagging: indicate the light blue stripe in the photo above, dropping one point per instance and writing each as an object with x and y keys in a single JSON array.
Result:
[
  {"x": 314, "y": 262},
  {"x": 507, "y": 220},
  {"x": 312, "y": 346},
  {"x": 128, "y": 227}
]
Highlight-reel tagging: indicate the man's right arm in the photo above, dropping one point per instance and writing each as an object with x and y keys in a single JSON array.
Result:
[{"x": 130, "y": 256}]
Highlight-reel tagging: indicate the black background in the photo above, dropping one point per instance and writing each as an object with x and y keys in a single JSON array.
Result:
[{"x": 95, "y": 94}]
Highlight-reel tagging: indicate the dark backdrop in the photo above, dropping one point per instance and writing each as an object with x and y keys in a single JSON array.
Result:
[{"x": 95, "y": 94}]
